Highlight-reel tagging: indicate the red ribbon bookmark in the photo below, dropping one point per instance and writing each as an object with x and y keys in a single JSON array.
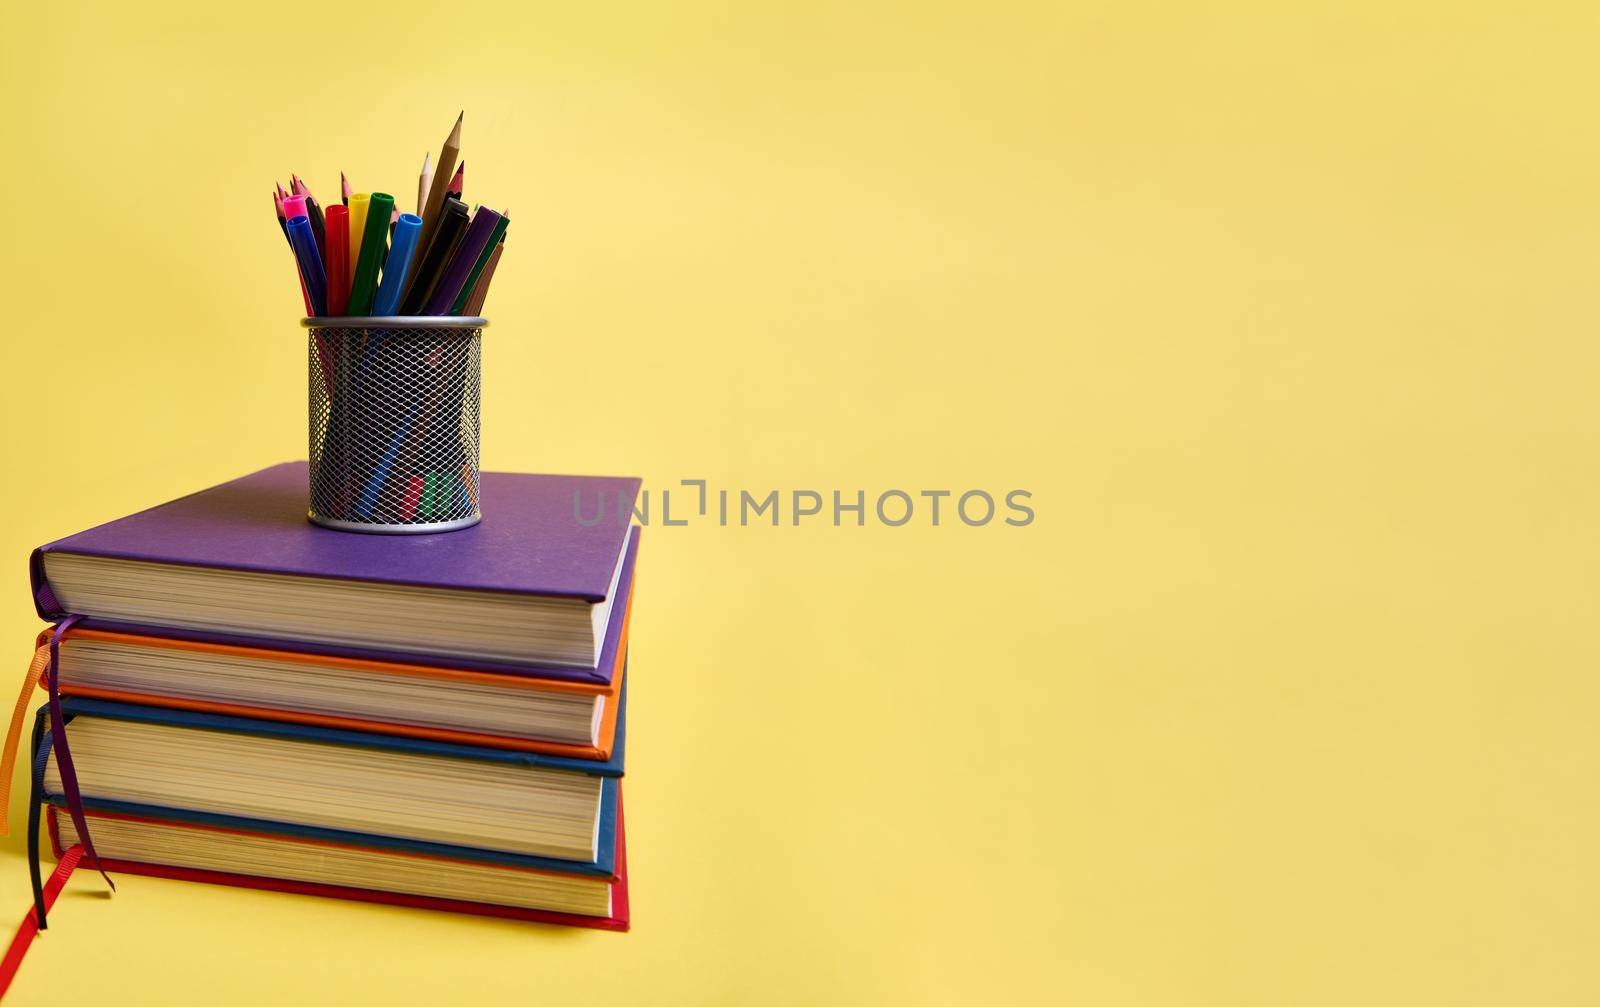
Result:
[{"x": 29, "y": 928}]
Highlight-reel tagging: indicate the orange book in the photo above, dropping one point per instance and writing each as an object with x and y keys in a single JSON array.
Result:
[{"x": 553, "y": 717}]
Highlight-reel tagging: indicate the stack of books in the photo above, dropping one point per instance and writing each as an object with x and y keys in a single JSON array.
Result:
[{"x": 432, "y": 720}]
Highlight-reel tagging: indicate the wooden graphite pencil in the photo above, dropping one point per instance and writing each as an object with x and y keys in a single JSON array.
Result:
[
  {"x": 424, "y": 183},
  {"x": 442, "y": 170}
]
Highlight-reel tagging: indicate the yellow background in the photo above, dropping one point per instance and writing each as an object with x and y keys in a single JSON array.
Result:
[{"x": 1285, "y": 313}]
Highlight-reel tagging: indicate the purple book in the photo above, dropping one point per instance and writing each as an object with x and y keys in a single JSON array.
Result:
[{"x": 528, "y": 591}]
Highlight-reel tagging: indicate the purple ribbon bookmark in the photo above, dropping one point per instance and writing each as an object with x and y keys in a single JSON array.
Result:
[{"x": 58, "y": 737}]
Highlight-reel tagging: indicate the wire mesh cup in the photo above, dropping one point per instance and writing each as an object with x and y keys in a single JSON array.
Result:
[{"x": 394, "y": 423}]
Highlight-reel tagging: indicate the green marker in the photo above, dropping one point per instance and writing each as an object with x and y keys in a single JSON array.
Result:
[
  {"x": 483, "y": 260},
  {"x": 374, "y": 239},
  {"x": 430, "y": 494}
]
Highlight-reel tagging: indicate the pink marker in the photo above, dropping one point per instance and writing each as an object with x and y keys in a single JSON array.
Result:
[{"x": 294, "y": 206}]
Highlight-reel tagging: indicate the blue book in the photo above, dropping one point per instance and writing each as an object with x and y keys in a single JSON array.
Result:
[{"x": 490, "y": 805}]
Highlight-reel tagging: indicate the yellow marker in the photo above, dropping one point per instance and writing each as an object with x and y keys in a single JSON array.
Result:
[{"x": 358, "y": 223}]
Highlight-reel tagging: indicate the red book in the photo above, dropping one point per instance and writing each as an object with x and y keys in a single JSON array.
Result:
[{"x": 295, "y": 864}]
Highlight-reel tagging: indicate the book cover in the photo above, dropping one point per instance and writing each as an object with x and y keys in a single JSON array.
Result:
[
  {"x": 529, "y": 542},
  {"x": 230, "y": 524},
  {"x": 619, "y": 920}
]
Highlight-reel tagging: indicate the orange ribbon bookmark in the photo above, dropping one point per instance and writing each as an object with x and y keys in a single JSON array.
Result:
[{"x": 8, "y": 759}]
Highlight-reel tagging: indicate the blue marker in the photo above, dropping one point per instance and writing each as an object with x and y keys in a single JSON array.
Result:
[
  {"x": 369, "y": 495},
  {"x": 304, "y": 242},
  {"x": 401, "y": 250}
]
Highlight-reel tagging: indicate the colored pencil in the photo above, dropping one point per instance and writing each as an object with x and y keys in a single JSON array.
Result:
[
  {"x": 373, "y": 259},
  {"x": 277, "y": 207},
  {"x": 480, "y": 290}
]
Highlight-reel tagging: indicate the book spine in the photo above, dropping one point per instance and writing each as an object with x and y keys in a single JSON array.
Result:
[
  {"x": 617, "y": 923},
  {"x": 601, "y": 676},
  {"x": 44, "y": 599},
  {"x": 559, "y": 750},
  {"x": 291, "y": 831},
  {"x": 619, "y": 888}
]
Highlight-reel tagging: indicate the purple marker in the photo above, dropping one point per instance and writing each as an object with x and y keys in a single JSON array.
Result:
[{"x": 455, "y": 272}]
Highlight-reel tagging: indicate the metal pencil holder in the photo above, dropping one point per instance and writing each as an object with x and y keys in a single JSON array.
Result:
[{"x": 394, "y": 423}]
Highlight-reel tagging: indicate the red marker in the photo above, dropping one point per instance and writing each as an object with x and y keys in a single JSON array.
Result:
[{"x": 338, "y": 227}]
